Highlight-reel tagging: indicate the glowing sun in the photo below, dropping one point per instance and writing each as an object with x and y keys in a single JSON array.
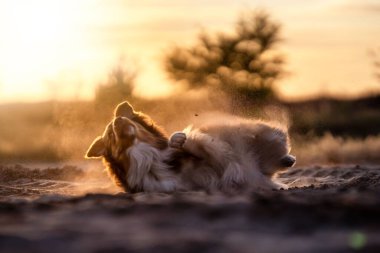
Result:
[{"x": 35, "y": 37}]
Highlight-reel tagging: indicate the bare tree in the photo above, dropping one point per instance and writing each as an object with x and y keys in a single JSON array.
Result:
[
  {"x": 375, "y": 55},
  {"x": 119, "y": 86}
]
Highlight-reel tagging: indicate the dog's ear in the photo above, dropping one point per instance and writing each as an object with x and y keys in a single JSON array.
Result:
[
  {"x": 124, "y": 109},
  {"x": 97, "y": 148}
]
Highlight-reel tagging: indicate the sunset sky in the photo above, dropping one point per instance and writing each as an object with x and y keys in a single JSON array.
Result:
[{"x": 52, "y": 49}]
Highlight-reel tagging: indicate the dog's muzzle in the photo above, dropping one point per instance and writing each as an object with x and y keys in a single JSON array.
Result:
[{"x": 123, "y": 127}]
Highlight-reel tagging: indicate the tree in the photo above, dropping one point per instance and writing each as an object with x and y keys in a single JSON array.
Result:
[
  {"x": 118, "y": 87},
  {"x": 375, "y": 55},
  {"x": 244, "y": 64}
]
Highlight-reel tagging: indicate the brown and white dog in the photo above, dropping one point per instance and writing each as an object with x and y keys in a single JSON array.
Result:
[{"x": 225, "y": 156}]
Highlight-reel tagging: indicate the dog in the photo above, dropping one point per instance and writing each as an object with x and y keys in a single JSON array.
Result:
[{"x": 228, "y": 156}]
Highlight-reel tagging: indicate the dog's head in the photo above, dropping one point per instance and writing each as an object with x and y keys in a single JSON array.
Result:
[
  {"x": 126, "y": 129},
  {"x": 273, "y": 147},
  {"x": 118, "y": 136}
]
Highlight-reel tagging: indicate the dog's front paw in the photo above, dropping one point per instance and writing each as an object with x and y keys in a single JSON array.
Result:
[{"x": 177, "y": 140}]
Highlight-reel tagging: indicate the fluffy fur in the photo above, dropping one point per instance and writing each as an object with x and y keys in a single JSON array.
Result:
[{"x": 229, "y": 156}]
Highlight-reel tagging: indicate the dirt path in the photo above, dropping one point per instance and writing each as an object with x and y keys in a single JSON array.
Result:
[{"x": 328, "y": 209}]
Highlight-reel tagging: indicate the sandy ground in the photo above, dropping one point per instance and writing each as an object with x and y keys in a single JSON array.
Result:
[{"x": 70, "y": 209}]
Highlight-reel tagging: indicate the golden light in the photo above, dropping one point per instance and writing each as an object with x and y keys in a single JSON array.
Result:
[
  {"x": 51, "y": 44},
  {"x": 49, "y": 48},
  {"x": 35, "y": 36}
]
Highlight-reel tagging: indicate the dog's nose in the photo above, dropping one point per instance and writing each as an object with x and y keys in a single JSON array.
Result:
[
  {"x": 288, "y": 161},
  {"x": 118, "y": 122},
  {"x": 123, "y": 127}
]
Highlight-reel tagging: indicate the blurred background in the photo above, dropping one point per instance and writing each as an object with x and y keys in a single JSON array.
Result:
[{"x": 314, "y": 66}]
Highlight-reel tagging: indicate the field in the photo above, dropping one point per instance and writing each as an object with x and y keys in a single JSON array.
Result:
[{"x": 51, "y": 200}]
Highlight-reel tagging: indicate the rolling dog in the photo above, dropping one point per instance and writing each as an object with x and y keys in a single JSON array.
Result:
[{"x": 227, "y": 156}]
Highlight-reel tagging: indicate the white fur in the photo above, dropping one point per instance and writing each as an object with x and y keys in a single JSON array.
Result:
[
  {"x": 230, "y": 156},
  {"x": 148, "y": 170},
  {"x": 221, "y": 163}
]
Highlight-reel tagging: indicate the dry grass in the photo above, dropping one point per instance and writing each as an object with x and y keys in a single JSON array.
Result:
[
  {"x": 332, "y": 150},
  {"x": 63, "y": 131}
]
